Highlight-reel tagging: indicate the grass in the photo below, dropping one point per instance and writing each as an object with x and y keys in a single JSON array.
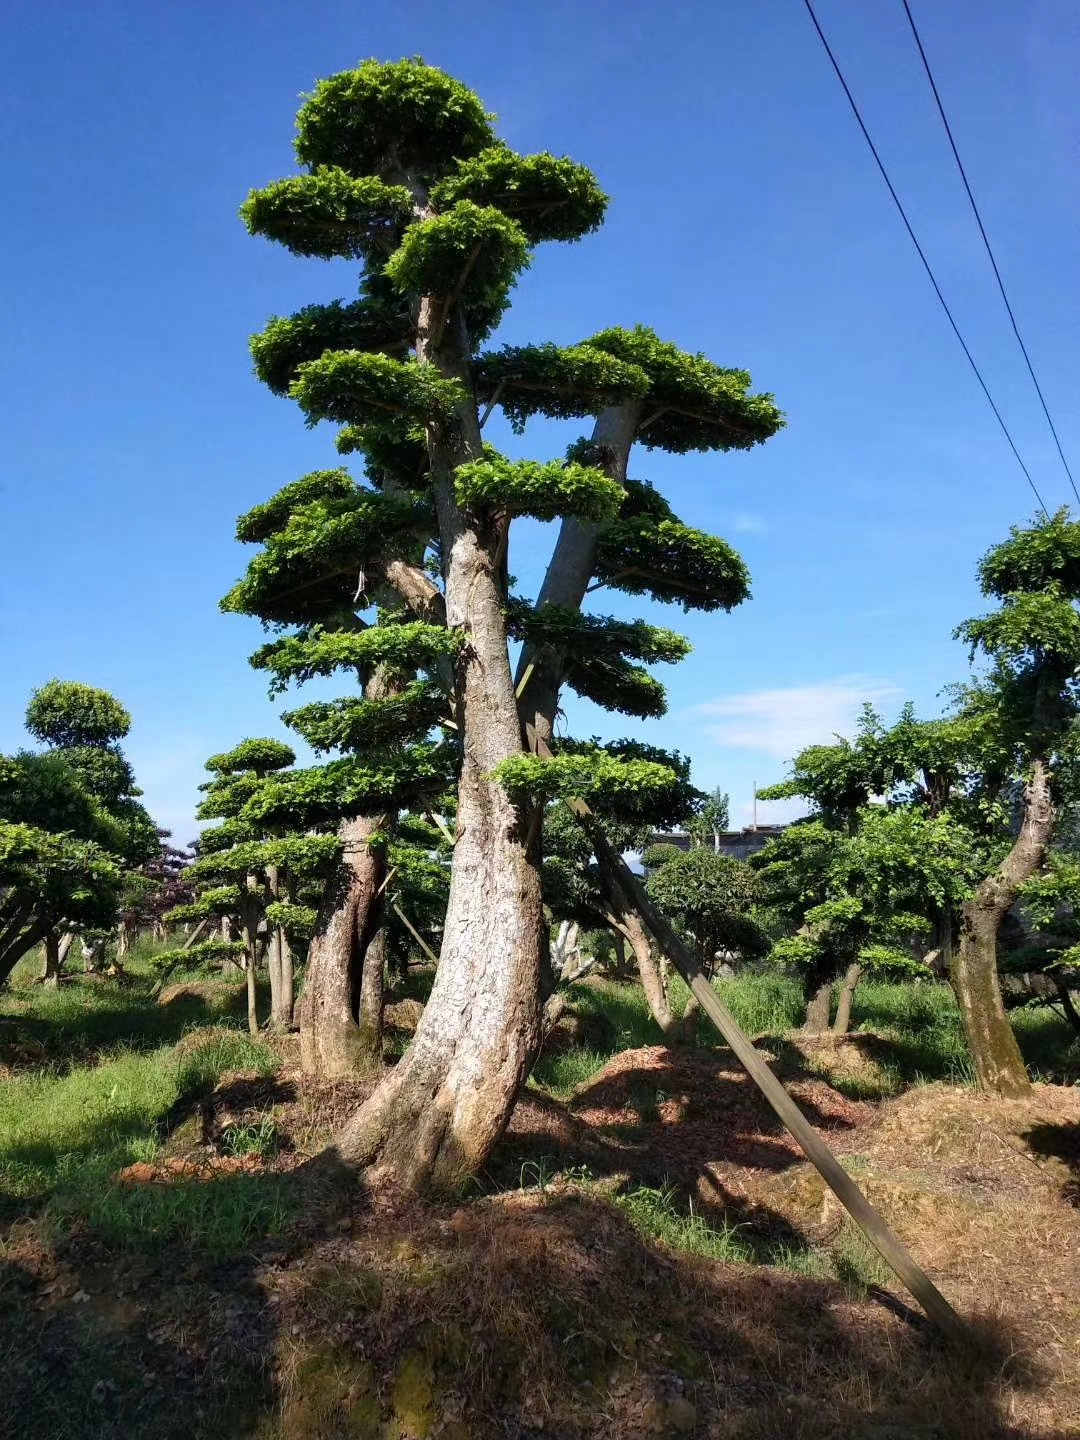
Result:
[
  {"x": 663, "y": 1214},
  {"x": 66, "y": 1128},
  {"x": 918, "y": 1035}
]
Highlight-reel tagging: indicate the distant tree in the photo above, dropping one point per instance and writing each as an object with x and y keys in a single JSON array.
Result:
[
  {"x": 710, "y": 820},
  {"x": 72, "y": 829},
  {"x": 710, "y": 898},
  {"x": 155, "y": 888},
  {"x": 251, "y": 876},
  {"x": 857, "y": 897},
  {"x": 577, "y": 890}
]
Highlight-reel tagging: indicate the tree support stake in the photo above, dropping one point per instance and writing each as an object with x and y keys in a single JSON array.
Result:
[{"x": 873, "y": 1226}]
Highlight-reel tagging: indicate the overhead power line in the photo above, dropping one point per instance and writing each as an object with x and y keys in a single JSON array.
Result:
[
  {"x": 986, "y": 243},
  {"x": 921, "y": 254}
]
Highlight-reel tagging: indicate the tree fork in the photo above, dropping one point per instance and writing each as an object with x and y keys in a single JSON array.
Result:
[{"x": 873, "y": 1226}]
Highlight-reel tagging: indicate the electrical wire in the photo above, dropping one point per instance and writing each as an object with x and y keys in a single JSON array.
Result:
[
  {"x": 986, "y": 243},
  {"x": 922, "y": 256}
]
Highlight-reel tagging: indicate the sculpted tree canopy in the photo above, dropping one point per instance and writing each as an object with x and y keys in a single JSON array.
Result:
[
  {"x": 399, "y": 581},
  {"x": 72, "y": 829},
  {"x": 252, "y": 874}
]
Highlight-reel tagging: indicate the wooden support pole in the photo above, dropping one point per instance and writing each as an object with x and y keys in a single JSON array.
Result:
[
  {"x": 873, "y": 1226},
  {"x": 159, "y": 984},
  {"x": 424, "y": 946}
]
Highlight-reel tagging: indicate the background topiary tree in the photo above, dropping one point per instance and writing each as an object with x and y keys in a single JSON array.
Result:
[
  {"x": 405, "y": 174},
  {"x": 72, "y": 829},
  {"x": 252, "y": 877},
  {"x": 1028, "y": 700},
  {"x": 861, "y": 897},
  {"x": 575, "y": 888}
]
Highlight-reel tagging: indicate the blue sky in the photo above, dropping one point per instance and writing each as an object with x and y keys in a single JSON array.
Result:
[{"x": 747, "y": 221}]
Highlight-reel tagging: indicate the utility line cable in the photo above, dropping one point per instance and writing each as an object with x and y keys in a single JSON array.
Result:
[
  {"x": 986, "y": 243},
  {"x": 919, "y": 250}
]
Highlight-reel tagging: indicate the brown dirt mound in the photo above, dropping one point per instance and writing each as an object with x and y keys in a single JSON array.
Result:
[{"x": 697, "y": 1109}]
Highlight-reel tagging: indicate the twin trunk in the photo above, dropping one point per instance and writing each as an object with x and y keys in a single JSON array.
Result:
[
  {"x": 346, "y": 961},
  {"x": 999, "y": 1066},
  {"x": 434, "y": 1118}
]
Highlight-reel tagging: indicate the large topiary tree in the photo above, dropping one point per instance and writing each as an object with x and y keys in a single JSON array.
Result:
[{"x": 404, "y": 173}]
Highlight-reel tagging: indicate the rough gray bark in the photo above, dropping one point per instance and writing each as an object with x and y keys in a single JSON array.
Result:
[
  {"x": 372, "y": 996},
  {"x": 50, "y": 971},
  {"x": 330, "y": 1040},
  {"x": 281, "y": 994},
  {"x": 249, "y": 927},
  {"x": 435, "y": 1116},
  {"x": 999, "y": 1066},
  {"x": 848, "y": 986},
  {"x": 818, "y": 1006},
  {"x": 568, "y": 574}
]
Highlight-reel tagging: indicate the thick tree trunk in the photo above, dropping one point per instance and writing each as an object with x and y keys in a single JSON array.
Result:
[
  {"x": 999, "y": 1066},
  {"x": 273, "y": 972},
  {"x": 288, "y": 982},
  {"x": 372, "y": 995},
  {"x": 19, "y": 944},
  {"x": 50, "y": 972},
  {"x": 848, "y": 986},
  {"x": 569, "y": 572},
  {"x": 1068, "y": 1007},
  {"x": 435, "y": 1116},
  {"x": 648, "y": 968},
  {"x": 818, "y": 1004},
  {"x": 281, "y": 1000},
  {"x": 330, "y": 1041}
]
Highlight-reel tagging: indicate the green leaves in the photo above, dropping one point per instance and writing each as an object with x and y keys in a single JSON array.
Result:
[
  {"x": 301, "y": 855},
  {"x": 288, "y": 342},
  {"x": 876, "y": 887},
  {"x": 65, "y": 712},
  {"x": 357, "y": 389},
  {"x": 329, "y": 214},
  {"x": 382, "y": 119},
  {"x": 1029, "y": 626},
  {"x": 262, "y": 521},
  {"x": 326, "y": 793},
  {"x": 561, "y": 382},
  {"x": 528, "y": 487},
  {"x": 412, "y": 646},
  {"x": 711, "y": 897},
  {"x": 692, "y": 404},
  {"x": 472, "y": 254},
  {"x": 550, "y": 198},
  {"x": 259, "y": 756},
  {"x": 646, "y": 551},
  {"x": 357, "y": 724},
  {"x": 1045, "y": 556},
  {"x": 310, "y": 568},
  {"x": 623, "y": 787}
]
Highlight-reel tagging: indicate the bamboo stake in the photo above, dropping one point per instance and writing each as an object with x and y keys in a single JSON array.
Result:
[
  {"x": 873, "y": 1226},
  {"x": 424, "y": 946}
]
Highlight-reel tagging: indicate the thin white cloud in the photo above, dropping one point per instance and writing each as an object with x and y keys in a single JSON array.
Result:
[
  {"x": 781, "y": 722},
  {"x": 744, "y": 523}
]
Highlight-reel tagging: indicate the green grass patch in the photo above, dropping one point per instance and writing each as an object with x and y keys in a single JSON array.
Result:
[
  {"x": 917, "y": 1033},
  {"x": 63, "y": 1137},
  {"x": 76, "y": 1021},
  {"x": 657, "y": 1214}
]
